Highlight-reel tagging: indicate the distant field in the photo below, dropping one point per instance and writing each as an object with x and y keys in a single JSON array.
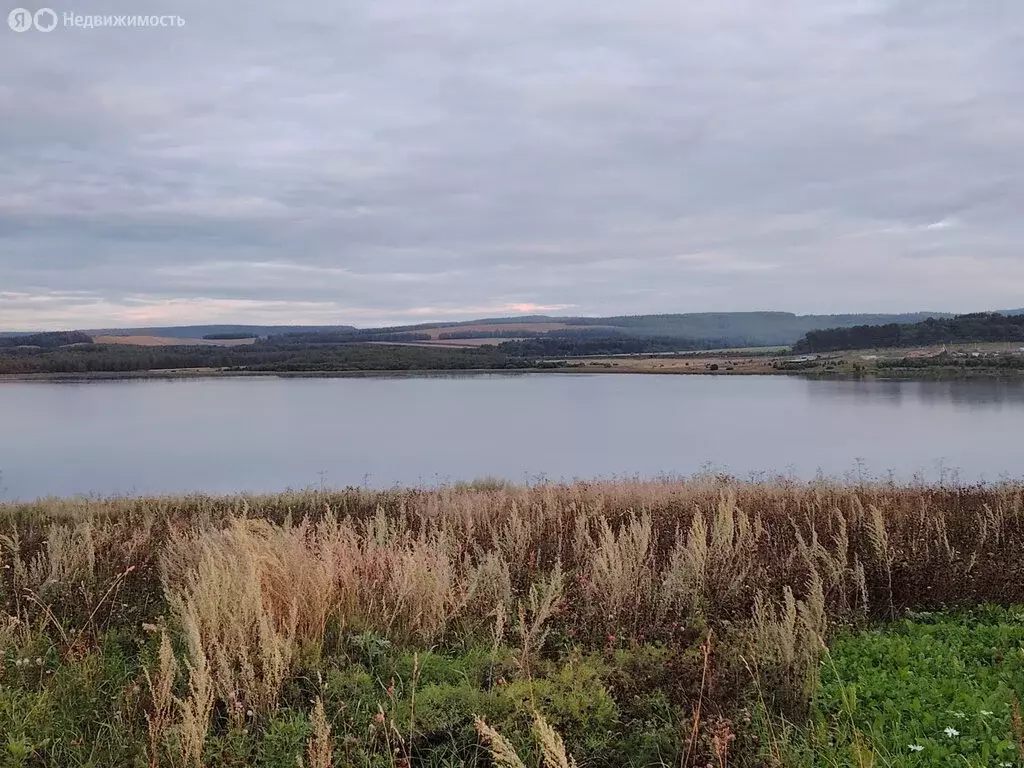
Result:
[
  {"x": 168, "y": 341},
  {"x": 536, "y": 327},
  {"x": 445, "y": 343}
]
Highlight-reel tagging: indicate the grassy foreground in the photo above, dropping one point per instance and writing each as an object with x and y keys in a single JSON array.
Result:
[{"x": 592, "y": 624}]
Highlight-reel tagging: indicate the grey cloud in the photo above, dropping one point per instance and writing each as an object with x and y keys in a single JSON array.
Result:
[{"x": 368, "y": 162}]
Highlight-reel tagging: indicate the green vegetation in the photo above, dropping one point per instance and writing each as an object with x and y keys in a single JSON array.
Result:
[
  {"x": 326, "y": 349},
  {"x": 741, "y": 329},
  {"x": 981, "y": 327},
  {"x": 187, "y": 332},
  {"x": 931, "y": 690},
  {"x": 265, "y": 357},
  {"x": 576, "y": 344},
  {"x": 601, "y": 624},
  {"x": 44, "y": 340},
  {"x": 955, "y": 364},
  {"x": 230, "y": 336},
  {"x": 727, "y": 329},
  {"x": 344, "y": 337},
  {"x": 732, "y": 328}
]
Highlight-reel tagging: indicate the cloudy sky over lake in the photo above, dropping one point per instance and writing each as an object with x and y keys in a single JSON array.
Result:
[{"x": 399, "y": 161}]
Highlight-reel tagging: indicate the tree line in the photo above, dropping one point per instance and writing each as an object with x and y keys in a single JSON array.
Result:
[
  {"x": 88, "y": 358},
  {"x": 975, "y": 327},
  {"x": 582, "y": 344},
  {"x": 49, "y": 340},
  {"x": 344, "y": 337},
  {"x": 230, "y": 336}
]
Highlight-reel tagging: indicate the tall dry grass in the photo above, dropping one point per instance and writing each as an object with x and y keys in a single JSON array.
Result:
[
  {"x": 417, "y": 565},
  {"x": 248, "y": 584}
]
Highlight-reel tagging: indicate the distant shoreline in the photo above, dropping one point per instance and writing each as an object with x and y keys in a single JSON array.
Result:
[
  {"x": 907, "y": 374},
  {"x": 217, "y": 374}
]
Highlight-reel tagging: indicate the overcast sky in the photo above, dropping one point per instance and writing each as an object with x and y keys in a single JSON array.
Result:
[{"x": 392, "y": 161}]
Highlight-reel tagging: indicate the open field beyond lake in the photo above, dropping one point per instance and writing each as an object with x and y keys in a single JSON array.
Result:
[
  {"x": 686, "y": 623},
  {"x": 168, "y": 341}
]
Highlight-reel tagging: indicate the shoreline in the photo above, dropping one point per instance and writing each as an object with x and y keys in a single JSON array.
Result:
[{"x": 907, "y": 374}]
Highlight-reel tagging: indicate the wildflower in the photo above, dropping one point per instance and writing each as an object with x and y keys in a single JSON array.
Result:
[
  {"x": 915, "y": 747},
  {"x": 959, "y": 715},
  {"x": 952, "y": 732},
  {"x": 1005, "y": 765},
  {"x": 380, "y": 717},
  {"x": 39, "y": 661},
  {"x": 985, "y": 712}
]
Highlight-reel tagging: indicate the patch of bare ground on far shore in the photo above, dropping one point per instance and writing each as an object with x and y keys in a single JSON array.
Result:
[
  {"x": 169, "y": 341},
  {"x": 687, "y": 364}
]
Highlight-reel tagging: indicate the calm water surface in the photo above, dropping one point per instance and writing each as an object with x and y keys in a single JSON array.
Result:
[{"x": 262, "y": 434}]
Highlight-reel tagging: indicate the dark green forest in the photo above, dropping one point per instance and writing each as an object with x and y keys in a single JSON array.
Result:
[
  {"x": 575, "y": 344},
  {"x": 978, "y": 327},
  {"x": 89, "y": 358},
  {"x": 345, "y": 337},
  {"x": 185, "y": 332},
  {"x": 49, "y": 340},
  {"x": 230, "y": 336}
]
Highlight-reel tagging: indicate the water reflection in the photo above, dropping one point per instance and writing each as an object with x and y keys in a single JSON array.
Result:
[
  {"x": 224, "y": 435},
  {"x": 979, "y": 393}
]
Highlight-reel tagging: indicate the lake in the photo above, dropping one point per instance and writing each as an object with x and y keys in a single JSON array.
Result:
[{"x": 266, "y": 434}]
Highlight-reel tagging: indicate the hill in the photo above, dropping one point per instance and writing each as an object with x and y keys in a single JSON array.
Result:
[
  {"x": 199, "y": 331},
  {"x": 731, "y": 329},
  {"x": 746, "y": 328},
  {"x": 693, "y": 330}
]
